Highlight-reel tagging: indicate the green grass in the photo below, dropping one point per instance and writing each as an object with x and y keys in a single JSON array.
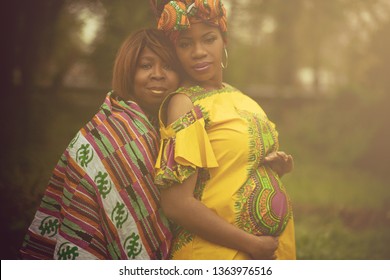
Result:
[
  {"x": 339, "y": 213},
  {"x": 325, "y": 237},
  {"x": 342, "y": 211},
  {"x": 322, "y": 185}
]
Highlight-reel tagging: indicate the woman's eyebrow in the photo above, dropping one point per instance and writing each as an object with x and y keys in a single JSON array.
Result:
[
  {"x": 208, "y": 33},
  {"x": 190, "y": 38}
]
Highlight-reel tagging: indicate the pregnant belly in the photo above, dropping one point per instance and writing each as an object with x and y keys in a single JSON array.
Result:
[{"x": 263, "y": 203}]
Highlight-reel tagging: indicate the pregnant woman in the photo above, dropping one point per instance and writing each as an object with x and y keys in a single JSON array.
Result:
[{"x": 219, "y": 153}]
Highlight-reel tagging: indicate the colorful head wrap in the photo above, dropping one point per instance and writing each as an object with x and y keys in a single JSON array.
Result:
[{"x": 176, "y": 16}]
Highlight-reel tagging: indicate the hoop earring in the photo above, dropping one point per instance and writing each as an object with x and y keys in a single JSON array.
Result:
[{"x": 224, "y": 66}]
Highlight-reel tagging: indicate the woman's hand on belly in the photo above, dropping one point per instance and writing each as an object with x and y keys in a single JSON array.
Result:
[
  {"x": 280, "y": 162},
  {"x": 264, "y": 247}
]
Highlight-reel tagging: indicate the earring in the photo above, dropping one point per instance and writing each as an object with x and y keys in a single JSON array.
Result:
[{"x": 224, "y": 66}]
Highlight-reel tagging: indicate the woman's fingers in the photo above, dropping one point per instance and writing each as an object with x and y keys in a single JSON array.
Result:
[{"x": 271, "y": 157}]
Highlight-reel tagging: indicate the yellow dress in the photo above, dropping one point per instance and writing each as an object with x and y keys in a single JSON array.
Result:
[{"x": 226, "y": 136}]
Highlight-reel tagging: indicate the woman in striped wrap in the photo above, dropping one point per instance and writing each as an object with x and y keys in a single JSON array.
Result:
[{"x": 101, "y": 202}]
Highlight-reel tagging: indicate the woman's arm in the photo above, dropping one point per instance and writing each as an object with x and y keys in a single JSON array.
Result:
[{"x": 179, "y": 205}]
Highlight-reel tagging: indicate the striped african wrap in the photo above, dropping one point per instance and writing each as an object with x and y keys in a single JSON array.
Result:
[{"x": 101, "y": 202}]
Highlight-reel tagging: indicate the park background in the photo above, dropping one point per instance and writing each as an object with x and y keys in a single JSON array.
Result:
[{"x": 319, "y": 68}]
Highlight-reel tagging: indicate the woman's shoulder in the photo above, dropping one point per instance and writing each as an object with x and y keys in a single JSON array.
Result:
[
  {"x": 174, "y": 106},
  {"x": 178, "y": 106}
]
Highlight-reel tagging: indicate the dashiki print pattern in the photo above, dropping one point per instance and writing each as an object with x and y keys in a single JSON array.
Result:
[
  {"x": 226, "y": 137},
  {"x": 101, "y": 202}
]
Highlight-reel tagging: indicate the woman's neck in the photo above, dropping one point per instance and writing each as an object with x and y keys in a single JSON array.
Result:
[{"x": 208, "y": 85}]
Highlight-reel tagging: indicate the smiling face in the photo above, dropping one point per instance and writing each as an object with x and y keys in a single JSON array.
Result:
[
  {"x": 154, "y": 79},
  {"x": 199, "y": 50}
]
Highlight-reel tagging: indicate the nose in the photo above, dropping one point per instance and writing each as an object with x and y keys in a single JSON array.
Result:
[
  {"x": 158, "y": 73},
  {"x": 198, "y": 51}
]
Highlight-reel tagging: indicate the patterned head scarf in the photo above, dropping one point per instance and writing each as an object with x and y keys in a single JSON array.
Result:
[{"x": 176, "y": 16}]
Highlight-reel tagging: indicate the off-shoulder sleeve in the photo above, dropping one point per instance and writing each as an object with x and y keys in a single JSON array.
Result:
[{"x": 184, "y": 147}]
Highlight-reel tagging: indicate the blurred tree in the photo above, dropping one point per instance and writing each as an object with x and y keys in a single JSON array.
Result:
[
  {"x": 263, "y": 42},
  {"x": 35, "y": 52},
  {"x": 376, "y": 82},
  {"x": 30, "y": 28},
  {"x": 333, "y": 38},
  {"x": 272, "y": 42},
  {"x": 122, "y": 17},
  {"x": 250, "y": 51},
  {"x": 287, "y": 14},
  {"x": 376, "y": 51},
  {"x": 320, "y": 23}
]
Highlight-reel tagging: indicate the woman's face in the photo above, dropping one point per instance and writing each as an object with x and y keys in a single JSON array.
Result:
[
  {"x": 154, "y": 79},
  {"x": 199, "y": 49}
]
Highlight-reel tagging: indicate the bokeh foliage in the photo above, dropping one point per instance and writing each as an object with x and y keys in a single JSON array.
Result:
[{"x": 319, "y": 68}]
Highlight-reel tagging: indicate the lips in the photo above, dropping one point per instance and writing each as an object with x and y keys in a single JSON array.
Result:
[
  {"x": 201, "y": 66},
  {"x": 157, "y": 90}
]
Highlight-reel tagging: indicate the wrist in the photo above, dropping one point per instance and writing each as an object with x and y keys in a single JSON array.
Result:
[{"x": 250, "y": 243}]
